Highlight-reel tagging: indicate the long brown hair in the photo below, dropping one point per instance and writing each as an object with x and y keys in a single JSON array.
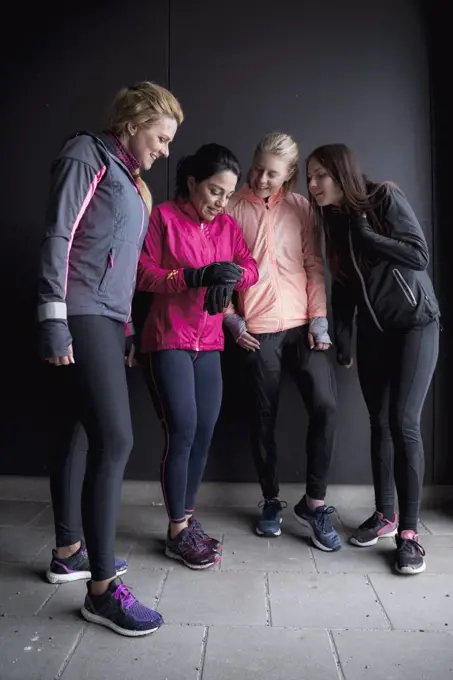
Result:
[{"x": 360, "y": 195}]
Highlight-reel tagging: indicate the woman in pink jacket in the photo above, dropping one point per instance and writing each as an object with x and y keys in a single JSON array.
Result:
[
  {"x": 194, "y": 256},
  {"x": 285, "y": 314}
]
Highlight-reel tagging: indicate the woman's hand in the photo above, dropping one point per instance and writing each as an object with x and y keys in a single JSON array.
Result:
[
  {"x": 318, "y": 346},
  {"x": 62, "y": 361},
  {"x": 248, "y": 342},
  {"x": 130, "y": 357}
]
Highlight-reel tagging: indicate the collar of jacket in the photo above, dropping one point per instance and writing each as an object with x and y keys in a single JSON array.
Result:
[
  {"x": 247, "y": 193},
  {"x": 188, "y": 211}
]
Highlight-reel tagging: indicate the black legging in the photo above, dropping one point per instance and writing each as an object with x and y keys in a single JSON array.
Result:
[
  {"x": 313, "y": 374},
  {"x": 395, "y": 372},
  {"x": 187, "y": 392},
  {"x": 94, "y": 397}
]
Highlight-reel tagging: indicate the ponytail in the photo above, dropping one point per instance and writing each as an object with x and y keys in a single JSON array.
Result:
[
  {"x": 209, "y": 160},
  {"x": 144, "y": 191},
  {"x": 184, "y": 170}
]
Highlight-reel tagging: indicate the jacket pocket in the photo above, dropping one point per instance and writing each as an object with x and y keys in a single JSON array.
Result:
[
  {"x": 108, "y": 270},
  {"x": 405, "y": 287}
]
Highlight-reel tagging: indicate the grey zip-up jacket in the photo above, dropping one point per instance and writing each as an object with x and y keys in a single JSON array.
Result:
[{"x": 95, "y": 225}]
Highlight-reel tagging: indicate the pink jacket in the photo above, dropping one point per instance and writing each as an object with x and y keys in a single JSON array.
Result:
[
  {"x": 281, "y": 237},
  {"x": 175, "y": 240}
]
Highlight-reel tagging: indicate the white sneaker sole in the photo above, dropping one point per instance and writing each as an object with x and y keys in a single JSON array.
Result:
[
  {"x": 197, "y": 567},
  {"x": 269, "y": 534},
  {"x": 314, "y": 540},
  {"x": 410, "y": 571},
  {"x": 354, "y": 541},
  {"x": 76, "y": 576},
  {"x": 101, "y": 621}
]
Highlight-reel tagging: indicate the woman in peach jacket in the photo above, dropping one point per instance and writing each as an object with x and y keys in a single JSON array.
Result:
[{"x": 285, "y": 314}]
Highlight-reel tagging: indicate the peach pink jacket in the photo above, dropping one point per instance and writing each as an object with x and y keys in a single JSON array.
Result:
[{"x": 281, "y": 237}]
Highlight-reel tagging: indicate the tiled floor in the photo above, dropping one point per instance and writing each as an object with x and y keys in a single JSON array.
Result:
[{"x": 273, "y": 609}]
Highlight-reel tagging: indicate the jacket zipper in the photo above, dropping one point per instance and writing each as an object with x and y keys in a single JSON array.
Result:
[
  {"x": 205, "y": 314},
  {"x": 401, "y": 281},
  {"x": 273, "y": 261},
  {"x": 109, "y": 267},
  {"x": 138, "y": 256},
  {"x": 362, "y": 281}
]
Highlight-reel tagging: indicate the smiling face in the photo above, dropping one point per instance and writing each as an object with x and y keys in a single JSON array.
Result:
[
  {"x": 268, "y": 175},
  {"x": 322, "y": 186},
  {"x": 210, "y": 197},
  {"x": 150, "y": 142}
]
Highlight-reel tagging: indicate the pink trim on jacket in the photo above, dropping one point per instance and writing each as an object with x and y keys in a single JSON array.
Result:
[{"x": 96, "y": 179}]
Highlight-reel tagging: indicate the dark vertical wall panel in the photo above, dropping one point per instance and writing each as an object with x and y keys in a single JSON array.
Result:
[
  {"x": 59, "y": 79},
  {"x": 349, "y": 72},
  {"x": 438, "y": 33},
  {"x": 323, "y": 72}
]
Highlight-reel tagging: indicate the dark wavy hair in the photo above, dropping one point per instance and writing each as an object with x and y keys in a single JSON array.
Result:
[
  {"x": 360, "y": 195},
  {"x": 209, "y": 160}
]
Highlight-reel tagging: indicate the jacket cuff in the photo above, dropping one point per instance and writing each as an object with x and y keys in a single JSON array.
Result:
[
  {"x": 319, "y": 327},
  {"x": 236, "y": 324},
  {"x": 54, "y": 338},
  {"x": 52, "y": 310}
]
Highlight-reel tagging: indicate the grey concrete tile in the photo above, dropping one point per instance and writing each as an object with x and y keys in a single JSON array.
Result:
[
  {"x": 65, "y": 605},
  {"x": 323, "y": 601},
  {"x": 228, "y": 520},
  {"x": 422, "y": 602},
  {"x": 351, "y": 559},
  {"x": 438, "y": 521},
  {"x": 214, "y": 597},
  {"x": 439, "y": 554},
  {"x": 136, "y": 520},
  {"x": 18, "y": 513},
  {"x": 34, "y": 649},
  {"x": 44, "y": 519},
  {"x": 171, "y": 653},
  {"x": 351, "y": 516},
  {"x": 394, "y": 655},
  {"x": 23, "y": 544},
  {"x": 286, "y": 553},
  {"x": 22, "y": 590},
  {"x": 250, "y": 653}
]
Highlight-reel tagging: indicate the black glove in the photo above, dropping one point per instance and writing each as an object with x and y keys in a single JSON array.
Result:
[
  {"x": 213, "y": 274},
  {"x": 217, "y": 298},
  {"x": 54, "y": 338}
]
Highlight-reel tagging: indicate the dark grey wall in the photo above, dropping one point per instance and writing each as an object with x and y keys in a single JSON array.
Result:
[{"x": 327, "y": 72}]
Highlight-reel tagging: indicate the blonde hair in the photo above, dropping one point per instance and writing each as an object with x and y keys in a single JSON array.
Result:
[
  {"x": 142, "y": 104},
  {"x": 281, "y": 145}
]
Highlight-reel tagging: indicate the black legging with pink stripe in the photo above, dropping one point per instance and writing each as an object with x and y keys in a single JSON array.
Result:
[{"x": 187, "y": 392}]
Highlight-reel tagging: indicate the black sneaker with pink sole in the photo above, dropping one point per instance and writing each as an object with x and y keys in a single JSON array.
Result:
[
  {"x": 373, "y": 529},
  {"x": 410, "y": 555}
]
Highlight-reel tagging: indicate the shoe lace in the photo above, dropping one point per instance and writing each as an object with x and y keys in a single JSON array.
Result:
[
  {"x": 272, "y": 507},
  {"x": 372, "y": 521},
  {"x": 409, "y": 545},
  {"x": 323, "y": 517},
  {"x": 124, "y": 596},
  {"x": 193, "y": 538}
]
